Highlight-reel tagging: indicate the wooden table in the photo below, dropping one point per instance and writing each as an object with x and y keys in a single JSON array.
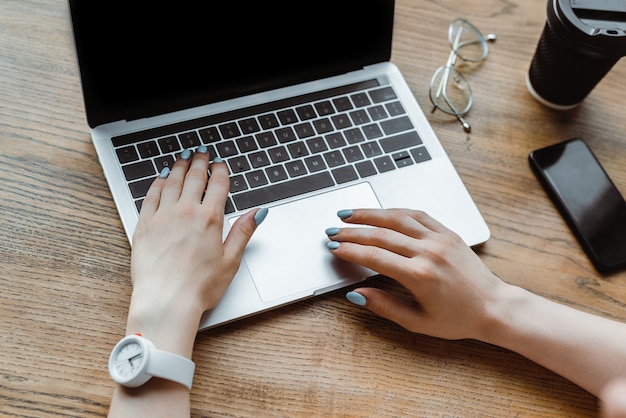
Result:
[{"x": 64, "y": 258}]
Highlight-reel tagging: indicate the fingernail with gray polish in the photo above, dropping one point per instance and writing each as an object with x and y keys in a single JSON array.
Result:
[
  {"x": 217, "y": 160},
  {"x": 332, "y": 231},
  {"x": 346, "y": 213},
  {"x": 202, "y": 149},
  {"x": 185, "y": 155},
  {"x": 332, "y": 245},
  {"x": 356, "y": 298},
  {"x": 164, "y": 173},
  {"x": 259, "y": 217}
]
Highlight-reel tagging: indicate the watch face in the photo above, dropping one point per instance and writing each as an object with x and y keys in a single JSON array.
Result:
[{"x": 128, "y": 359}]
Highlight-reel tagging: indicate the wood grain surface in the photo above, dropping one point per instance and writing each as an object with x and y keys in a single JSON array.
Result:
[{"x": 64, "y": 258}]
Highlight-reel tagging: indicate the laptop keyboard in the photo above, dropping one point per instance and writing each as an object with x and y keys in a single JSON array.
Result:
[{"x": 285, "y": 148}]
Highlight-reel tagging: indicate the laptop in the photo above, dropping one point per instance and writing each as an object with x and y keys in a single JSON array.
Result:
[{"x": 301, "y": 102}]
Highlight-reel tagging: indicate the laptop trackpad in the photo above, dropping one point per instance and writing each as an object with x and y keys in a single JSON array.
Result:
[{"x": 287, "y": 254}]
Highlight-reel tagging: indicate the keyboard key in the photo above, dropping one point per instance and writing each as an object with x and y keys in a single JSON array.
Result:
[
  {"x": 212, "y": 152},
  {"x": 371, "y": 149},
  {"x": 126, "y": 154},
  {"x": 238, "y": 164},
  {"x": 162, "y": 162},
  {"x": 256, "y": 178},
  {"x": 322, "y": 125},
  {"x": 229, "y": 208},
  {"x": 365, "y": 168},
  {"x": 209, "y": 135},
  {"x": 359, "y": 117},
  {"x": 285, "y": 135},
  {"x": 393, "y": 126},
  {"x": 306, "y": 112},
  {"x": 335, "y": 140},
  {"x": 140, "y": 188},
  {"x": 402, "y": 159},
  {"x": 169, "y": 145},
  {"x": 148, "y": 149},
  {"x": 226, "y": 149},
  {"x": 249, "y": 126},
  {"x": 297, "y": 149},
  {"x": 345, "y": 174},
  {"x": 304, "y": 130},
  {"x": 399, "y": 142},
  {"x": 334, "y": 158},
  {"x": 246, "y": 144},
  {"x": 342, "y": 104},
  {"x": 266, "y": 139},
  {"x": 315, "y": 163},
  {"x": 138, "y": 170},
  {"x": 259, "y": 197},
  {"x": 341, "y": 121},
  {"x": 394, "y": 108},
  {"x": 377, "y": 112},
  {"x": 268, "y": 121},
  {"x": 420, "y": 154},
  {"x": 372, "y": 131},
  {"x": 360, "y": 99},
  {"x": 384, "y": 164},
  {"x": 237, "y": 184},
  {"x": 287, "y": 117},
  {"x": 295, "y": 168},
  {"x": 382, "y": 95},
  {"x": 316, "y": 145},
  {"x": 259, "y": 159},
  {"x": 229, "y": 130},
  {"x": 278, "y": 154},
  {"x": 353, "y": 154},
  {"x": 324, "y": 108},
  {"x": 354, "y": 136},
  {"x": 189, "y": 139},
  {"x": 276, "y": 173}
]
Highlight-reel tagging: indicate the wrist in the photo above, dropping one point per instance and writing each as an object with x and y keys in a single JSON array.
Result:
[
  {"x": 503, "y": 315},
  {"x": 171, "y": 325}
]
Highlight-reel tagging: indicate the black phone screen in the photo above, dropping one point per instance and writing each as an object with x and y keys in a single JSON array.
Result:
[{"x": 587, "y": 198}]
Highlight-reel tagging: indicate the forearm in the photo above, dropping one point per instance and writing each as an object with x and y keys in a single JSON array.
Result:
[
  {"x": 172, "y": 329},
  {"x": 586, "y": 349},
  {"x": 157, "y": 398}
]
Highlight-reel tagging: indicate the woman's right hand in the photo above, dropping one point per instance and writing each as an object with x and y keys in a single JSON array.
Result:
[{"x": 452, "y": 287}]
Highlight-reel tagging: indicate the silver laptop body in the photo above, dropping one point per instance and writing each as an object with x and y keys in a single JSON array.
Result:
[{"x": 379, "y": 151}]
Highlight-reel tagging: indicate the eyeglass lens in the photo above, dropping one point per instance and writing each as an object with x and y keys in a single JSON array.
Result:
[
  {"x": 466, "y": 41},
  {"x": 449, "y": 90}
]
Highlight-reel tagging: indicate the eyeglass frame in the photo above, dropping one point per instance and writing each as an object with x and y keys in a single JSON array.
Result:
[{"x": 449, "y": 68}]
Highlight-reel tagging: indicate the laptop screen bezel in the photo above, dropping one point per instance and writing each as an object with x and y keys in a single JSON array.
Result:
[{"x": 107, "y": 53}]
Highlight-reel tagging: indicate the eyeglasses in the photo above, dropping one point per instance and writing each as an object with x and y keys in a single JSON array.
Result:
[{"x": 449, "y": 90}]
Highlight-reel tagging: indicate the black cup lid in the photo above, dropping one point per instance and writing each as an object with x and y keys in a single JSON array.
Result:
[{"x": 595, "y": 27}]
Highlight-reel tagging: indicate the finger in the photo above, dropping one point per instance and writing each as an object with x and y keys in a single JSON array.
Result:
[
  {"x": 407, "y": 315},
  {"x": 428, "y": 221},
  {"x": 400, "y": 268},
  {"x": 218, "y": 186},
  {"x": 175, "y": 181},
  {"x": 400, "y": 220},
  {"x": 152, "y": 199},
  {"x": 241, "y": 232},
  {"x": 388, "y": 239},
  {"x": 197, "y": 176}
]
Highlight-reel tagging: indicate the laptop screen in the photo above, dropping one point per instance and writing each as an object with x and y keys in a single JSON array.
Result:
[{"x": 143, "y": 58}]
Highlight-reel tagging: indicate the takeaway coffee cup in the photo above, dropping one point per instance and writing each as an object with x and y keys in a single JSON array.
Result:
[{"x": 580, "y": 43}]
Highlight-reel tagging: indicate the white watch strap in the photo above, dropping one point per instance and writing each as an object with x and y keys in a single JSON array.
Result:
[{"x": 171, "y": 366}]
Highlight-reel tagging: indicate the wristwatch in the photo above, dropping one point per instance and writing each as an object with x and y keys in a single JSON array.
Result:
[{"x": 135, "y": 359}]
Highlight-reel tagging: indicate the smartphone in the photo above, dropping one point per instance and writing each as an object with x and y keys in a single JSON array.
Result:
[{"x": 587, "y": 199}]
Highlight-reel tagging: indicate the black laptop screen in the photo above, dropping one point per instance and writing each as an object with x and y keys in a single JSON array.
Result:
[{"x": 142, "y": 58}]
